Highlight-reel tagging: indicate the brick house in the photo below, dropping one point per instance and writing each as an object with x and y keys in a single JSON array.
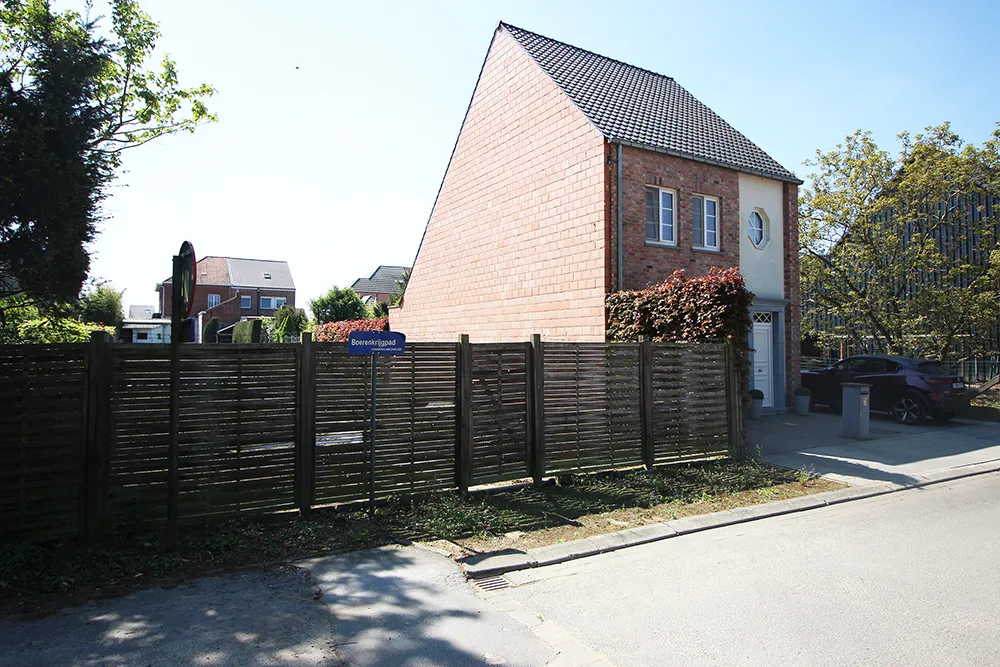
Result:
[
  {"x": 575, "y": 175},
  {"x": 232, "y": 289},
  {"x": 382, "y": 284}
]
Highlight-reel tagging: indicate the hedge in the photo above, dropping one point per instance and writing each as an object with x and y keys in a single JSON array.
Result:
[
  {"x": 247, "y": 331},
  {"x": 715, "y": 306},
  {"x": 337, "y": 332}
]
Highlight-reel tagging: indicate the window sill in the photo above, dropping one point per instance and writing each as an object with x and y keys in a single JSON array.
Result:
[
  {"x": 660, "y": 244},
  {"x": 714, "y": 251}
]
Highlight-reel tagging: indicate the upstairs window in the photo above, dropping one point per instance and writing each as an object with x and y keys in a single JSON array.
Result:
[
  {"x": 246, "y": 302},
  {"x": 214, "y": 300},
  {"x": 758, "y": 225},
  {"x": 705, "y": 222},
  {"x": 271, "y": 302},
  {"x": 661, "y": 216}
]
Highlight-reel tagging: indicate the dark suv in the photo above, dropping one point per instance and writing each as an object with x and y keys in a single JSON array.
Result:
[{"x": 908, "y": 389}]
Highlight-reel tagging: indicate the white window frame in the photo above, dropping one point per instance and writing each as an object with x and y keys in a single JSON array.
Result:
[
  {"x": 765, "y": 228},
  {"x": 217, "y": 299},
  {"x": 246, "y": 299},
  {"x": 279, "y": 301},
  {"x": 705, "y": 245},
  {"x": 270, "y": 301},
  {"x": 661, "y": 225}
]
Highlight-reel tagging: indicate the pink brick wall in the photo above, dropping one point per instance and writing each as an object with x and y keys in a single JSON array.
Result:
[
  {"x": 793, "y": 313},
  {"x": 646, "y": 264},
  {"x": 516, "y": 242}
]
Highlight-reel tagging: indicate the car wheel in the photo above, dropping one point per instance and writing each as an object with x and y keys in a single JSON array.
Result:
[{"x": 909, "y": 409}]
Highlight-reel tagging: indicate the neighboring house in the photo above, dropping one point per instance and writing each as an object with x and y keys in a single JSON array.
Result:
[
  {"x": 231, "y": 289},
  {"x": 524, "y": 234},
  {"x": 141, "y": 312},
  {"x": 145, "y": 330},
  {"x": 382, "y": 285}
]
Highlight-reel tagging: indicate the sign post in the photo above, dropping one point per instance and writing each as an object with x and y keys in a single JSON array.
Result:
[
  {"x": 183, "y": 281},
  {"x": 374, "y": 343}
]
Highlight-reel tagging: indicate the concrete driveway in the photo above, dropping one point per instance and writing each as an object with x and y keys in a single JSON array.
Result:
[{"x": 896, "y": 454}]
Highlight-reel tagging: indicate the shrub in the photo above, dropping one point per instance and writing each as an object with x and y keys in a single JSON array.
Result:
[
  {"x": 337, "y": 332},
  {"x": 338, "y": 305},
  {"x": 715, "y": 306},
  {"x": 210, "y": 334},
  {"x": 247, "y": 331},
  {"x": 288, "y": 321}
]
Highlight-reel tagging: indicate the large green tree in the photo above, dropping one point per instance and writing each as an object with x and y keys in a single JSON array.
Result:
[
  {"x": 899, "y": 250},
  {"x": 337, "y": 305},
  {"x": 102, "y": 304},
  {"x": 73, "y": 96}
]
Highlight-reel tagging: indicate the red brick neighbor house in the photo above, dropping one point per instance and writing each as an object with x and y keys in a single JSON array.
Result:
[
  {"x": 382, "y": 285},
  {"x": 575, "y": 175},
  {"x": 232, "y": 289}
]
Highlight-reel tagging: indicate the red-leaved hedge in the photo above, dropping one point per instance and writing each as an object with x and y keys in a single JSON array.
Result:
[
  {"x": 337, "y": 332},
  {"x": 715, "y": 306}
]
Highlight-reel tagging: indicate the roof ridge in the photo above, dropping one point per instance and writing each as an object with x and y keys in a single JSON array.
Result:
[{"x": 580, "y": 48}]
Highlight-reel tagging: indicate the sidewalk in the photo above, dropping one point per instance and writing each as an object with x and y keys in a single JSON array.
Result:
[{"x": 897, "y": 454}]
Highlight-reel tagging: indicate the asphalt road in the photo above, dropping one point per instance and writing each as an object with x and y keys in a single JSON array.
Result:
[
  {"x": 403, "y": 607},
  {"x": 911, "y": 578}
]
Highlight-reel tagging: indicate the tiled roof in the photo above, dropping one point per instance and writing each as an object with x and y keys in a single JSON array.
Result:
[
  {"x": 260, "y": 273},
  {"x": 240, "y": 272},
  {"x": 385, "y": 280},
  {"x": 633, "y": 106}
]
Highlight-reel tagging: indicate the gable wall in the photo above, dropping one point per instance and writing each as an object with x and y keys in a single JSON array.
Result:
[{"x": 516, "y": 242}]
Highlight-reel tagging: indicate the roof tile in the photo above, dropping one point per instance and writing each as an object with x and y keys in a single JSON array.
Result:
[{"x": 635, "y": 106}]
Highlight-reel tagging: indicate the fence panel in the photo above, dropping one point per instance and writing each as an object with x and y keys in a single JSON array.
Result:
[
  {"x": 499, "y": 412},
  {"x": 592, "y": 406},
  {"x": 342, "y": 415},
  {"x": 415, "y": 425},
  {"x": 689, "y": 401},
  {"x": 237, "y": 431},
  {"x": 42, "y": 440}
]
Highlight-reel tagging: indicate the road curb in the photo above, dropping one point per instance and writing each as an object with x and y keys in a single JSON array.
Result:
[{"x": 492, "y": 565}]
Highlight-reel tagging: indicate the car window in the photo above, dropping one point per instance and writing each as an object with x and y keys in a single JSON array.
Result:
[
  {"x": 848, "y": 365},
  {"x": 932, "y": 368},
  {"x": 874, "y": 366}
]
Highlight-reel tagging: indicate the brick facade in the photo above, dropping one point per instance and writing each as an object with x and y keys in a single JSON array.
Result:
[
  {"x": 228, "y": 310},
  {"x": 793, "y": 311},
  {"x": 646, "y": 264},
  {"x": 516, "y": 242}
]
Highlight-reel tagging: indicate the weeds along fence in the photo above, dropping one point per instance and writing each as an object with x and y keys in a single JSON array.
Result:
[{"x": 84, "y": 429}]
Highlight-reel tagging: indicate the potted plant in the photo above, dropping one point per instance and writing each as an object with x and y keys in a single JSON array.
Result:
[
  {"x": 802, "y": 400},
  {"x": 756, "y": 403}
]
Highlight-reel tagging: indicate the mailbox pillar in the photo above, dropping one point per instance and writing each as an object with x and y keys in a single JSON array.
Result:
[{"x": 857, "y": 404}]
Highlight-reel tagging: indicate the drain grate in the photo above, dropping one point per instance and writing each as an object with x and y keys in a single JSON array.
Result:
[{"x": 490, "y": 584}]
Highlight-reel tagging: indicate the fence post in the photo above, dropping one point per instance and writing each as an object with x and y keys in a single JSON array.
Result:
[
  {"x": 734, "y": 405},
  {"x": 646, "y": 399},
  {"x": 538, "y": 409},
  {"x": 305, "y": 482},
  {"x": 463, "y": 471},
  {"x": 98, "y": 434}
]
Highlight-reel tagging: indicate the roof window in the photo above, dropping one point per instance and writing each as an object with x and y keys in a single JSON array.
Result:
[{"x": 267, "y": 276}]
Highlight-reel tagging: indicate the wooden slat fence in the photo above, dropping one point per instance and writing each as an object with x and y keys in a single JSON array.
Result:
[
  {"x": 592, "y": 406},
  {"x": 500, "y": 411},
  {"x": 237, "y": 431},
  {"x": 689, "y": 401},
  {"x": 84, "y": 429},
  {"x": 42, "y": 439}
]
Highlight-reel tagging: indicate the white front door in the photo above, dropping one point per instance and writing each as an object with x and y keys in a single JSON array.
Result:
[{"x": 762, "y": 346}]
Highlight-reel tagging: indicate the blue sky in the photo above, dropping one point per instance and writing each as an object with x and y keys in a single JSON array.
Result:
[{"x": 336, "y": 120}]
